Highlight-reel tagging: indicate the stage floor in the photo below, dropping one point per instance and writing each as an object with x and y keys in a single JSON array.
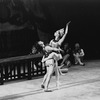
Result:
[{"x": 80, "y": 83}]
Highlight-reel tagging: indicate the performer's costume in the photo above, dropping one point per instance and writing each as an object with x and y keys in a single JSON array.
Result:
[{"x": 56, "y": 55}]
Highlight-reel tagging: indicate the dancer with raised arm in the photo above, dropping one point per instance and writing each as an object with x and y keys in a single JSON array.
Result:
[
  {"x": 52, "y": 59},
  {"x": 48, "y": 63},
  {"x": 56, "y": 43}
]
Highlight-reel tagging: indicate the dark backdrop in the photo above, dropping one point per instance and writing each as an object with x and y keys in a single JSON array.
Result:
[{"x": 46, "y": 16}]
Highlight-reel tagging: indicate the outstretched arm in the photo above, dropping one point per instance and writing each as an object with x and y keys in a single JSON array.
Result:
[{"x": 66, "y": 31}]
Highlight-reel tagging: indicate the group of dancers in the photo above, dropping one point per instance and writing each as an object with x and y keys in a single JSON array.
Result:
[{"x": 52, "y": 53}]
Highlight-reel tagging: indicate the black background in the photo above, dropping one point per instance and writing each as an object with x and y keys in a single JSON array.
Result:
[{"x": 46, "y": 16}]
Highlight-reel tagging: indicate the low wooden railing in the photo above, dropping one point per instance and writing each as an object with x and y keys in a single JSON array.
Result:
[{"x": 21, "y": 67}]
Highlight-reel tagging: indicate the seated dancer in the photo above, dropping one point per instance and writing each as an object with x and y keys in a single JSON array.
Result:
[
  {"x": 48, "y": 63},
  {"x": 78, "y": 54},
  {"x": 66, "y": 62},
  {"x": 56, "y": 43}
]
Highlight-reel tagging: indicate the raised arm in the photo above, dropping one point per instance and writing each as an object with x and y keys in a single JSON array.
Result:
[{"x": 63, "y": 37}]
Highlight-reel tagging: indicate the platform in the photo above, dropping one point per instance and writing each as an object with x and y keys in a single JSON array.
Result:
[{"x": 80, "y": 83}]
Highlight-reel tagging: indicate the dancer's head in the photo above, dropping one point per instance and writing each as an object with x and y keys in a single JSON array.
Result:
[
  {"x": 66, "y": 45},
  {"x": 77, "y": 46},
  {"x": 61, "y": 31},
  {"x": 58, "y": 34},
  {"x": 41, "y": 43}
]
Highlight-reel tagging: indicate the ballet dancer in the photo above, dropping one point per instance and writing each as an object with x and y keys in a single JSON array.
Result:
[{"x": 56, "y": 55}]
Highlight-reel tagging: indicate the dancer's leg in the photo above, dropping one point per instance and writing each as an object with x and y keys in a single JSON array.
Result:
[
  {"x": 60, "y": 71},
  {"x": 49, "y": 74},
  {"x": 45, "y": 76},
  {"x": 64, "y": 59},
  {"x": 78, "y": 60},
  {"x": 57, "y": 74},
  {"x": 47, "y": 59},
  {"x": 50, "y": 70},
  {"x": 43, "y": 82}
]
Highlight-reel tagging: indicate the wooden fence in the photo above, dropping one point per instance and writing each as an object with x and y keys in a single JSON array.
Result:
[{"x": 21, "y": 67}]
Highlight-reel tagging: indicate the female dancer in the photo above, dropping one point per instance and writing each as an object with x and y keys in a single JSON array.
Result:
[
  {"x": 56, "y": 43},
  {"x": 54, "y": 56}
]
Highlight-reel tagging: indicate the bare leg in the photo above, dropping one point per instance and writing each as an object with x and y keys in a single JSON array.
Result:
[
  {"x": 79, "y": 60},
  {"x": 43, "y": 82},
  {"x": 57, "y": 74},
  {"x": 44, "y": 78},
  {"x": 60, "y": 71},
  {"x": 76, "y": 60},
  {"x": 49, "y": 74},
  {"x": 65, "y": 59}
]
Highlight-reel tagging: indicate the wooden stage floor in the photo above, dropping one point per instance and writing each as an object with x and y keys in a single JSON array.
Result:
[{"x": 80, "y": 83}]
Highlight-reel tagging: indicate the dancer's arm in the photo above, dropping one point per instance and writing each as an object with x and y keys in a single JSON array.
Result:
[
  {"x": 42, "y": 59},
  {"x": 48, "y": 48},
  {"x": 51, "y": 55},
  {"x": 82, "y": 53},
  {"x": 66, "y": 31}
]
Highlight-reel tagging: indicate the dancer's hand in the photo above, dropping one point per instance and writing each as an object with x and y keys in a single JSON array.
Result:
[
  {"x": 68, "y": 22},
  {"x": 43, "y": 60}
]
